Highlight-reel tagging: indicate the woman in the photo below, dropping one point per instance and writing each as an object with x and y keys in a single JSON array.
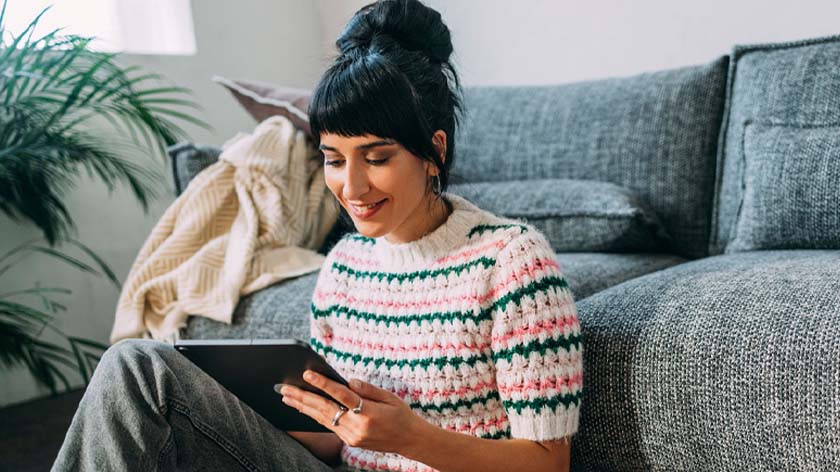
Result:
[{"x": 455, "y": 326}]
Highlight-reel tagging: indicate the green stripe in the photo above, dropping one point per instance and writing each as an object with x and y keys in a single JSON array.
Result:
[
  {"x": 493, "y": 395},
  {"x": 363, "y": 239},
  {"x": 357, "y": 359},
  {"x": 409, "y": 276},
  {"x": 462, "y": 316},
  {"x": 538, "y": 404},
  {"x": 479, "y": 229},
  {"x": 536, "y": 345},
  {"x": 529, "y": 290},
  {"x": 525, "y": 350},
  {"x": 497, "y": 435}
]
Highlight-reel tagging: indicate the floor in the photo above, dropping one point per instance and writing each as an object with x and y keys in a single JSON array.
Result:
[{"x": 31, "y": 433}]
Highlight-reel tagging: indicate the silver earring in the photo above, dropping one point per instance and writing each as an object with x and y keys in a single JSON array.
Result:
[{"x": 436, "y": 184}]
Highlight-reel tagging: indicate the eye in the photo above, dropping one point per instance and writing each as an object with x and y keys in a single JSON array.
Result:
[{"x": 338, "y": 162}]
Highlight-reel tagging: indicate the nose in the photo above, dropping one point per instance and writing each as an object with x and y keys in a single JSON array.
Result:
[{"x": 356, "y": 182}]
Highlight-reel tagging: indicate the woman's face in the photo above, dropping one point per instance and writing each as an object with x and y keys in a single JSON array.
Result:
[{"x": 365, "y": 170}]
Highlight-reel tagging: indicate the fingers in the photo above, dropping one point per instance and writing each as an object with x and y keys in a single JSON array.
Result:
[
  {"x": 339, "y": 392},
  {"x": 313, "y": 405},
  {"x": 316, "y": 406}
]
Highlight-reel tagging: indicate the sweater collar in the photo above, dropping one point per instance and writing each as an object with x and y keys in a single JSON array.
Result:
[{"x": 439, "y": 243}]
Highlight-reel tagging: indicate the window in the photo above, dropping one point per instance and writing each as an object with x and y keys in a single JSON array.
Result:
[{"x": 130, "y": 26}]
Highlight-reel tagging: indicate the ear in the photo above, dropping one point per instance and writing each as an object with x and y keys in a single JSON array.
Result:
[{"x": 439, "y": 140}]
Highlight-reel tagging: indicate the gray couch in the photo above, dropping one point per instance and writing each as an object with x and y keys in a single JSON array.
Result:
[{"x": 716, "y": 347}]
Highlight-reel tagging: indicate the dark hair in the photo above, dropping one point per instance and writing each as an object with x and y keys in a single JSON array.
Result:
[{"x": 391, "y": 79}]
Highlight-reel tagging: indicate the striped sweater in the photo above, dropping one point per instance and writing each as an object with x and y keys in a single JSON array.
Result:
[{"x": 473, "y": 325}]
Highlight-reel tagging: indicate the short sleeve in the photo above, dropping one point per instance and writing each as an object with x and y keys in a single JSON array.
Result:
[
  {"x": 536, "y": 341},
  {"x": 323, "y": 304}
]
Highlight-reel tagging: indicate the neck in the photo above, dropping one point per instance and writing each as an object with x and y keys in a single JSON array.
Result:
[
  {"x": 441, "y": 209},
  {"x": 454, "y": 218}
]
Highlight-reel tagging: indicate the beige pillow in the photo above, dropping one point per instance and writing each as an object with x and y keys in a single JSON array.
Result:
[{"x": 262, "y": 100}]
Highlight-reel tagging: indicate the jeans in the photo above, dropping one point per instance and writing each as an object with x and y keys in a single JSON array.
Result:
[{"x": 147, "y": 407}]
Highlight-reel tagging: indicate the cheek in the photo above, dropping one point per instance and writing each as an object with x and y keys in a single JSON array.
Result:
[{"x": 333, "y": 183}]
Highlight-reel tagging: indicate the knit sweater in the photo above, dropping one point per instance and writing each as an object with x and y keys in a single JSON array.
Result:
[{"x": 473, "y": 325}]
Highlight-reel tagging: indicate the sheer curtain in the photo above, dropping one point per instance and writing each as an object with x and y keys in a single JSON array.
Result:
[{"x": 130, "y": 26}]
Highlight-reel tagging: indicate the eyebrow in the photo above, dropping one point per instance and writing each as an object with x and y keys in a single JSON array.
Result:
[{"x": 360, "y": 147}]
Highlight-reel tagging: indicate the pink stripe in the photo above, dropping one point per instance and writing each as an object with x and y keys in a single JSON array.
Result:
[
  {"x": 543, "y": 385},
  {"x": 430, "y": 395},
  {"x": 542, "y": 264},
  {"x": 530, "y": 269},
  {"x": 380, "y": 347},
  {"x": 535, "y": 330},
  {"x": 499, "y": 423},
  {"x": 539, "y": 327},
  {"x": 345, "y": 258},
  {"x": 500, "y": 244}
]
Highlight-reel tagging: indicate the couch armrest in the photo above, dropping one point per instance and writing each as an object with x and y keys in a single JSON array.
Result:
[{"x": 187, "y": 160}]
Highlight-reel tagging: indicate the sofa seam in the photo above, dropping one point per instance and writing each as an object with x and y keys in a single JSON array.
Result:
[
  {"x": 745, "y": 48},
  {"x": 734, "y": 229},
  {"x": 714, "y": 245}
]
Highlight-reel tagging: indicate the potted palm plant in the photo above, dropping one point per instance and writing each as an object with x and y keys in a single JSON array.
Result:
[{"x": 56, "y": 91}]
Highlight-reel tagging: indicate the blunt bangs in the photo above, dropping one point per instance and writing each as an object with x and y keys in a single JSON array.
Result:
[{"x": 369, "y": 96}]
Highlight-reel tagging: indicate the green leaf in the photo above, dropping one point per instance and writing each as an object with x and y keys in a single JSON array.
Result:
[
  {"x": 23, "y": 312},
  {"x": 103, "y": 266},
  {"x": 65, "y": 258},
  {"x": 35, "y": 290}
]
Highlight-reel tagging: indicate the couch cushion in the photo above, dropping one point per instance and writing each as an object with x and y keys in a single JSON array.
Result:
[
  {"x": 791, "y": 188},
  {"x": 574, "y": 215},
  {"x": 263, "y": 99},
  {"x": 723, "y": 363},
  {"x": 655, "y": 133},
  {"x": 590, "y": 272},
  {"x": 280, "y": 310},
  {"x": 781, "y": 121}
]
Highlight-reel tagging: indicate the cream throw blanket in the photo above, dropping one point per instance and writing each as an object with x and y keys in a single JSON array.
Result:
[{"x": 249, "y": 220}]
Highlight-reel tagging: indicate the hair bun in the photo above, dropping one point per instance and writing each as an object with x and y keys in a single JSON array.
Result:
[{"x": 410, "y": 23}]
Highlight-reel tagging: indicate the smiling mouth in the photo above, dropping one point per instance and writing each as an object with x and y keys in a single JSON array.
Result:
[{"x": 368, "y": 210}]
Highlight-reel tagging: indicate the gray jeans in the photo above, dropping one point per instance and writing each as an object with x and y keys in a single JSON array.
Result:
[{"x": 148, "y": 408}]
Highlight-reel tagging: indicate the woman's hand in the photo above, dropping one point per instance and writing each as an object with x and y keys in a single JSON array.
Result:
[{"x": 386, "y": 423}]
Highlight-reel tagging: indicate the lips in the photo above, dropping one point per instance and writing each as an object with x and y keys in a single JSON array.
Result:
[{"x": 365, "y": 212}]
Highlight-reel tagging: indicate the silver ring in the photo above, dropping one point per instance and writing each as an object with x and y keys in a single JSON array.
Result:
[
  {"x": 358, "y": 408},
  {"x": 341, "y": 410}
]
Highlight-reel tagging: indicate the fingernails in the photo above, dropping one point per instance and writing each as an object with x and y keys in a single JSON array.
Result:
[{"x": 308, "y": 376}]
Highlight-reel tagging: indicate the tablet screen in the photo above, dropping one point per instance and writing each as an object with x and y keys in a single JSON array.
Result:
[{"x": 253, "y": 369}]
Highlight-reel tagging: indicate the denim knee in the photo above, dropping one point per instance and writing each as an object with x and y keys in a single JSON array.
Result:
[{"x": 134, "y": 349}]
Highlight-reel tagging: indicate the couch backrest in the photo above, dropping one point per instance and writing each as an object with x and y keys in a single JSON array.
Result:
[
  {"x": 655, "y": 133},
  {"x": 779, "y": 179}
]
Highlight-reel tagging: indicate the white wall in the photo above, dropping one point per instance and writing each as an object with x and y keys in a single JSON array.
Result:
[
  {"x": 496, "y": 42},
  {"x": 275, "y": 41},
  {"x": 554, "y": 41}
]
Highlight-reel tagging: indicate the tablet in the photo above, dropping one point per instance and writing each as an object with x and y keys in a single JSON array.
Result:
[{"x": 253, "y": 369}]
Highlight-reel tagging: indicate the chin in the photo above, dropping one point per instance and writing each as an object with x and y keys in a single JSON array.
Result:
[{"x": 369, "y": 231}]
